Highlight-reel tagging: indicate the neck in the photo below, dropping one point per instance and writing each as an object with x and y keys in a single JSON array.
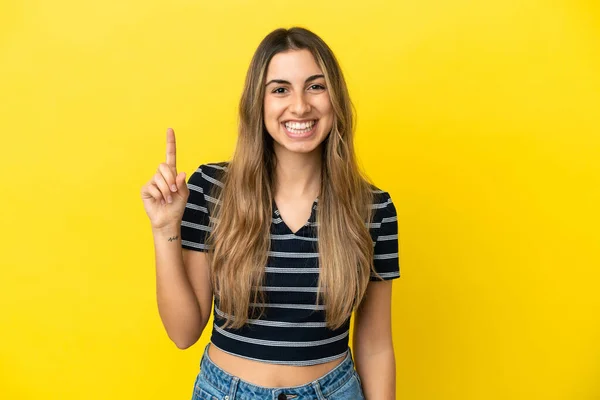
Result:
[{"x": 298, "y": 174}]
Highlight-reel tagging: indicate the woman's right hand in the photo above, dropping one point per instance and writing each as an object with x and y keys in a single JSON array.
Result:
[{"x": 156, "y": 193}]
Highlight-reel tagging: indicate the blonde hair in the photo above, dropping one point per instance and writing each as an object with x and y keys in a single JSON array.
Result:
[{"x": 240, "y": 235}]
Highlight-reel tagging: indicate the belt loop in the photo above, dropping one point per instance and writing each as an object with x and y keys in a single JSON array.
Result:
[
  {"x": 233, "y": 387},
  {"x": 317, "y": 388}
]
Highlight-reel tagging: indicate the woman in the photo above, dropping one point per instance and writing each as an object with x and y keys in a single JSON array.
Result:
[{"x": 288, "y": 237}]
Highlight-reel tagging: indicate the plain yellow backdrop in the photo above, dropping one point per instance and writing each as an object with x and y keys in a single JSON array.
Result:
[{"x": 481, "y": 118}]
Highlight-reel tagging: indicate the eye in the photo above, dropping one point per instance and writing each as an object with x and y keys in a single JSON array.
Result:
[
  {"x": 279, "y": 90},
  {"x": 316, "y": 86}
]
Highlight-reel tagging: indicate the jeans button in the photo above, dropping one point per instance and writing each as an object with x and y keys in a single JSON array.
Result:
[
  {"x": 226, "y": 397},
  {"x": 282, "y": 396}
]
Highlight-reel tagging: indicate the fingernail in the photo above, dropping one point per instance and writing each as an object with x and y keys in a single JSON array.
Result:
[
  {"x": 162, "y": 201},
  {"x": 173, "y": 188},
  {"x": 170, "y": 199}
]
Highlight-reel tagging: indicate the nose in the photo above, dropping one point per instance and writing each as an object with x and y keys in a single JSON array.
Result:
[{"x": 300, "y": 105}]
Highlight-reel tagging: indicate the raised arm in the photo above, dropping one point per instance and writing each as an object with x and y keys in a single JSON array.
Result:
[{"x": 183, "y": 291}]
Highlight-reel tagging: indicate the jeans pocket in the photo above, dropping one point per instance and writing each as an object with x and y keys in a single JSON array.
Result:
[
  {"x": 350, "y": 390},
  {"x": 200, "y": 394},
  {"x": 203, "y": 390}
]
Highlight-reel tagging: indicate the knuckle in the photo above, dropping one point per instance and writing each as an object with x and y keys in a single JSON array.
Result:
[
  {"x": 165, "y": 169},
  {"x": 160, "y": 184}
]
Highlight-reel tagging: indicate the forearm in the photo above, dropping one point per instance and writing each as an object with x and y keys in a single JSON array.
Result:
[
  {"x": 377, "y": 372},
  {"x": 177, "y": 304}
]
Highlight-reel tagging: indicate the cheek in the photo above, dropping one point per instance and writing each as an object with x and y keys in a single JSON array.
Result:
[
  {"x": 327, "y": 115},
  {"x": 267, "y": 107},
  {"x": 325, "y": 107},
  {"x": 271, "y": 115},
  {"x": 272, "y": 111}
]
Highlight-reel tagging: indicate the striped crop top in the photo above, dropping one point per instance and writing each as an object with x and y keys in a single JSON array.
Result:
[{"x": 292, "y": 330}]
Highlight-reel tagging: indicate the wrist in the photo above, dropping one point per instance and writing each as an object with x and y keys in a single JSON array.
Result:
[{"x": 167, "y": 230}]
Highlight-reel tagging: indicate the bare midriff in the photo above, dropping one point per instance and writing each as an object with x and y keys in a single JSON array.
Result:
[{"x": 269, "y": 375}]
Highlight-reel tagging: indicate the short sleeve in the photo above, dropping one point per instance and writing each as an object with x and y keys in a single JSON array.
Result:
[
  {"x": 385, "y": 259},
  {"x": 195, "y": 225}
]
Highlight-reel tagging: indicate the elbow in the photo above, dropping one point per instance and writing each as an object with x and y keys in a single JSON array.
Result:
[
  {"x": 182, "y": 345},
  {"x": 186, "y": 341}
]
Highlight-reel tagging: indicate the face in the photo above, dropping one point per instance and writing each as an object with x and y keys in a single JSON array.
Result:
[{"x": 297, "y": 108}]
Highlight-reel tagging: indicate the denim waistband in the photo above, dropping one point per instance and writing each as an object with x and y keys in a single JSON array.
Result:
[{"x": 233, "y": 385}]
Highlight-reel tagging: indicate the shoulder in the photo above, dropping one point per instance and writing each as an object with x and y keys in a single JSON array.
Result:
[
  {"x": 381, "y": 197},
  {"x": 382, "y": 204},
  {"x": 213, "y": 169},
  {"x": 208, "y": 175}
]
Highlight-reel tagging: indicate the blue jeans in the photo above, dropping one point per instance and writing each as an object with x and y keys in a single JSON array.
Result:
[{"x": 341, "y": 383}]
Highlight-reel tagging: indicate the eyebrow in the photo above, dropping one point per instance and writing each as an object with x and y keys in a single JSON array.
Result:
[{"x": 281, "y": 81}]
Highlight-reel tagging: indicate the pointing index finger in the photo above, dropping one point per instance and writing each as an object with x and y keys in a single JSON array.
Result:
[{"x": 171, "y": 148}]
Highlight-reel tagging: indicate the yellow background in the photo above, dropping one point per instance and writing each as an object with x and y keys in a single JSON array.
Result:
[{"x": 480, "y": 117}]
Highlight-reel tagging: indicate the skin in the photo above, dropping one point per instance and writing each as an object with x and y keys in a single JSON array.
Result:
[{"x": 296, "y": 91}]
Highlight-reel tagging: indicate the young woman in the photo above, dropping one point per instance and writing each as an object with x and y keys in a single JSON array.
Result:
[{"x": 289, "y": 237}]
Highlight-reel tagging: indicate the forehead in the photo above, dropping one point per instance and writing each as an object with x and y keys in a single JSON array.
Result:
[{"x": 293, "y": 65}]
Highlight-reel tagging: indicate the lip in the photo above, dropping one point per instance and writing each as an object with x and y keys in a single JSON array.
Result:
[
  {"x": 300, "y": 120},
  {"x": 300, "y": 135}
]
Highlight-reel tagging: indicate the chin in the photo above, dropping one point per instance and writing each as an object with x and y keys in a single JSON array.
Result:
[
  {"x": 298, "y": 148},
  {"x": 301, "y": 146}
]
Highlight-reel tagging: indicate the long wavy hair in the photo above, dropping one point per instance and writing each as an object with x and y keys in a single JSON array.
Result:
[{"x": 240, "y": 237}]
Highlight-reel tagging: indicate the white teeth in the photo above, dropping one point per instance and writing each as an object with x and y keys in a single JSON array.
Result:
[{"x": 299, "y": 125}]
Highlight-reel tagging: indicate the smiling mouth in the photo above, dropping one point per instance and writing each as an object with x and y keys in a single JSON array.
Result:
[{"x": 300, "y": 128}]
